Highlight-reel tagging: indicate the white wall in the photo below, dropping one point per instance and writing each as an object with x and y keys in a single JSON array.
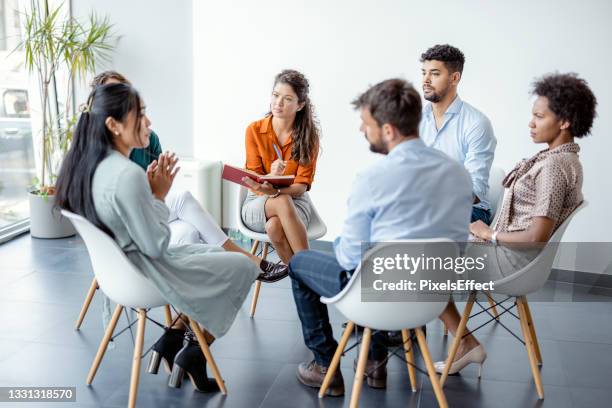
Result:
[
  {"x": 344, "y": 46},
  {"x": 155, "y": 52}
]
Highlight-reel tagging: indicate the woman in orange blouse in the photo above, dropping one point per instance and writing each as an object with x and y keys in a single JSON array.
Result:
[{"x": 290, "y": 126}]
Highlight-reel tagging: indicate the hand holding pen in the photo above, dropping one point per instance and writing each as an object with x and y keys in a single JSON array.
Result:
[{"x": 278, "y": 165}]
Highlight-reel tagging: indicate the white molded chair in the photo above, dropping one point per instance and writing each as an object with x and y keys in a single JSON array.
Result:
[
  {"x": 495, "y": 194},
  {"x": 495, "y": 197},
  {"x": 177, "y": 229},
  {"x": 315, "y": 230},
  {"x": 518, "y": 285},
  {"x": 125, "y": 285},
  {"x": 390, "y": 315}
]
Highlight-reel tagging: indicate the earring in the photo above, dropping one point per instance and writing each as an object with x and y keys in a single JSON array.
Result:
[{"x": 116, "y": 133}]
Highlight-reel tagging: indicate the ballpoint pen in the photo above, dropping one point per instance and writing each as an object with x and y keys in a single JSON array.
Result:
[{"x": 278, "y": 152}]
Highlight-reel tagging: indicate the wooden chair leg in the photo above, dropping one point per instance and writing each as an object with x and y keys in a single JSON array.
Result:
[
  {"x": 409, "y": 352},
  {"x": 532, "y": 330},
  {"x": 361, "y": 364},
  {"x": 457, "y": 340},
  {"x": 90, "y": 295},
  {"x": 168, "y": 315},
  {"x": 208, "y": 355},
  {"x": 331, "y": 370},
  {"x": 258, "y": 283},
  {"x": 104, "y": 344},
  {"x": 136, "y": 360},
  {"x": 492, "y": 305},
  {"x": 433, "y": 376},
  {"x": 529, "y": 344}
]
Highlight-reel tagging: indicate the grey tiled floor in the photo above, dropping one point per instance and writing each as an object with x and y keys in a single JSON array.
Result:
[{"x": 43, "y": 283}]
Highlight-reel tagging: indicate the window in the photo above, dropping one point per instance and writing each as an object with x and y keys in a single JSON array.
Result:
[{"x": 17, "y": 167}]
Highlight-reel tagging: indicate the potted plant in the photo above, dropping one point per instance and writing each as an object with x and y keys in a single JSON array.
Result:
[{"x": 59, "y": 49}]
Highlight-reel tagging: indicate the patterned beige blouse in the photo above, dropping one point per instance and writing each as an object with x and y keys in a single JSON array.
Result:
[{"x": 547, "y": 185}]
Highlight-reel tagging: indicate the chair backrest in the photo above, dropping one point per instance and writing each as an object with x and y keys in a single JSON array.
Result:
[
  {"x": 244, "y": 230},
  {"x": 116, "y": 275},
  {"x": 242, "y": 193},
  {"x": 533, "y": 276},
  {"x": 395, "y": 315},
  {"x": 496, "y": 190}
]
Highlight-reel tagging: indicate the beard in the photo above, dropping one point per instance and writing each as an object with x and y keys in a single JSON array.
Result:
[
  {"x": 436, "y": 97},
  {"x": 433, "y": 97},
  {"x": 377, "y": 147}
]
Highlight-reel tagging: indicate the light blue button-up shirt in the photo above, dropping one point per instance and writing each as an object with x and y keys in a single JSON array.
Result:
[
  {"x": 466, "y": 135},
  {"x": 415, "y": 192}
]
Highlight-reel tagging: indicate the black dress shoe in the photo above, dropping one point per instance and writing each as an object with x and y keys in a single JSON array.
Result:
[
  {"x": 166, "y": 349},
  {"x": 190, "y": 361},
  {"x": 272, "y": 272}
]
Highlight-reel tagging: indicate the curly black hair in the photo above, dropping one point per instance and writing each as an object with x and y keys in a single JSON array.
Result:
[
  {"x": 570, "y": 98},
  {"x": 452, "y": 57}
]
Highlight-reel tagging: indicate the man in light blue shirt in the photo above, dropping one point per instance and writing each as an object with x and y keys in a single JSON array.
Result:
[
  {"x": 414, "y": 192},
  {"x": 454, "y": 126}
]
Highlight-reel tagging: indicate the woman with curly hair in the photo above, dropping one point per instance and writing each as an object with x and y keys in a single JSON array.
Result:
[
  {"x": 284, "y": 142},
  {"x": 541, "y": 192}
]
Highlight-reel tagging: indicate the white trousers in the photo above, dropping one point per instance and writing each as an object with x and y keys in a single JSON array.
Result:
[{"x": 190, "y": 223}]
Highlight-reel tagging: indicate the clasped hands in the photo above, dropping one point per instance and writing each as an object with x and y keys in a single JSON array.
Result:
[
  {"x": 481, "y": 230},
  {"x": 161, "y": 173}
]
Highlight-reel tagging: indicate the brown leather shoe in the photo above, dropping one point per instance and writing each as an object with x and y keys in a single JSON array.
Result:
[
  {"x": 375, "y": 373},
  {"x": 312, "y": 375}
]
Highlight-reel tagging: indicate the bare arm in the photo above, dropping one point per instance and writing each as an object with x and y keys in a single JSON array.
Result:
[
  {"x": 294, "y": 190},
  {"x": 540, "y": 231}
]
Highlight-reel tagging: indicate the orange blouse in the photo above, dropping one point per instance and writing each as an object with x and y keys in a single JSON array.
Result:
[{"x": 260, "y": 154}]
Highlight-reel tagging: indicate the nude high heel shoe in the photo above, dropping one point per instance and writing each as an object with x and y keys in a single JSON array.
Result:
[{"x": 477, "y": 355}]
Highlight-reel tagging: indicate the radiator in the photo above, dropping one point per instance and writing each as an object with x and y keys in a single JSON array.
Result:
[{"x": 202, "y": 178}]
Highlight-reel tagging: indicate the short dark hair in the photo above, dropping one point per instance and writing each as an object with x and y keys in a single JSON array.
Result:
[
  {"x": 452, "y": 57},
  {"x": 102, "y": 77},
  {"x": 570, "y": 98},
  {"x": 394, "y": 101}
]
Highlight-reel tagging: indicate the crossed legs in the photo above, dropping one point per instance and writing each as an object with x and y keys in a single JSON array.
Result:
[{"x": 285, "y": 229}]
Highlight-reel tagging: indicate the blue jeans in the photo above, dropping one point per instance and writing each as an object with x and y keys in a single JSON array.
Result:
[
  {"x": 481, "y": 214},
  {"x": 315, "y": 274}
]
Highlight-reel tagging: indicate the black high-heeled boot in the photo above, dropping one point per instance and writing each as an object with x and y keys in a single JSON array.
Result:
[
  {"x": 191, "y": 362},
  {"x": 166, "y": 349}
]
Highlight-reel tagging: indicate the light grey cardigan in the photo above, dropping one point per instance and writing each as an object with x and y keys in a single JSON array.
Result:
[{"x": 204, "y": 282}]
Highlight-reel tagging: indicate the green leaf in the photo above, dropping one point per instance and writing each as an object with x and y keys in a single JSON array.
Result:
[{"x": 54, "y": 45}]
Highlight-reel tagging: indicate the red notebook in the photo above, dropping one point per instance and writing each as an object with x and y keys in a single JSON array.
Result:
[{"x": 235, "y": 175}]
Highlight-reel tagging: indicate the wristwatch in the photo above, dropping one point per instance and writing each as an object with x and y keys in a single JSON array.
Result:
[
  {"x": 275, "y": 195},
  {"x": 494, "y": 237}
]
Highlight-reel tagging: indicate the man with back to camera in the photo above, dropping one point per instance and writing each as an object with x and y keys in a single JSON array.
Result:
[
  {"x": 414, "y": 192},
  {"x": 455, "y": 127}
]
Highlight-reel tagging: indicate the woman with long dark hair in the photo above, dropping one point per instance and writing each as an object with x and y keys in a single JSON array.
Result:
[
  {"x": 189, "y": 222},
  {"x": 98, "y": 181},
  {"x": 284, "y": 142}
]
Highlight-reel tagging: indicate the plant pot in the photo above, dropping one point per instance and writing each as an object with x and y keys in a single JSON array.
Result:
[{"x": 47, "y": 221}]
